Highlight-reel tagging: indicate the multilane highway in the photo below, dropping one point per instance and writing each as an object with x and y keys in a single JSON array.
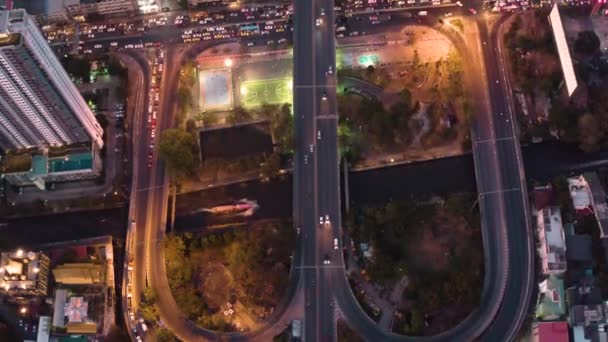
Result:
[{"x": 326, "y": 290}]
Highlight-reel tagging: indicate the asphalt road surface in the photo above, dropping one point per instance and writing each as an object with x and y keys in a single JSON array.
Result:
[{"x": 317, "y": 207}]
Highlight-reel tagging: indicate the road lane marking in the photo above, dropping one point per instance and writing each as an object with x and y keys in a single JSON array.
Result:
[
  {"x": 315, "y": 86},
  {"x": 501, "y": 191},
  {"x": 483, "y": 141},
  {"x": 327, "y": 117}
]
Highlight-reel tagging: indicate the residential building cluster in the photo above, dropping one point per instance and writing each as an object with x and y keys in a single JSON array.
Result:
[
  {"x": 62, "y": 290},
  {"x": 569, "y": 234},
  {"x": 48, "y": 133}
]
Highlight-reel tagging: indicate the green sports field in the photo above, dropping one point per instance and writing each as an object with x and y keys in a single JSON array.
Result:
[{"x": 274, "y": 91}]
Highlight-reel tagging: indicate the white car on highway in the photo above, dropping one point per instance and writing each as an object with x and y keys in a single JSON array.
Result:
[
  {"x": 335, "y": 243},
  {"x": 318, "y": 135},
  {"x": 321, "y": 220},
  {"x": 327, "y": 219},
  {"x": 319, "y": 22},
  {"x": 311, "y": 148}
]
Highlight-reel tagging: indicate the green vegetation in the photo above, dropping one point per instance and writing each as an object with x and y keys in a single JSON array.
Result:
[
  {"x": 365, "y": 121},
  {"x": 529, "y": 46},
  {"x": 163, "y": 334},
  {"x": 185, "y": 99},
  {"x": 458, "y": 24},
  {"x": 249, "y": 267},
  {"x": 581, "y": 120},
  {"x": 437, "y": 245},
  {"x": 78, "y": 66},
  {"x": 148, "y": 307},
  {"x": 280, "y": 118},
  {"x": 177, "y": 149},
  {"x": 587, "y": 43}
]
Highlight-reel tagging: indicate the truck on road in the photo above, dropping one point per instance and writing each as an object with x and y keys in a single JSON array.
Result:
[{"x": 296, "y": 330}]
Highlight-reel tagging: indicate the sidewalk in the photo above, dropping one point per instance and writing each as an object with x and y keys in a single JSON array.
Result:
[{"x": 409, "y": 156}]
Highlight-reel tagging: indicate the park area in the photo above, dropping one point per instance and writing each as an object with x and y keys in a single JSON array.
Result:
[
  {"x": 230, "y": 280},
  {"x": 405, "y": 101},
  {"x": 418, "y": 261}
]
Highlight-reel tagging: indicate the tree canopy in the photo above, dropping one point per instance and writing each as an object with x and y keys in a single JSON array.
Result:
[
  {"x": 587, "y": 43},
  {"x": 176, "y": 149}
]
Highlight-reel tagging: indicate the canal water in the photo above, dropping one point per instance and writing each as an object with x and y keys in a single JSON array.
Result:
[
  {"x": 440, "y": 176},
  {"x": 542, "y": 162}
]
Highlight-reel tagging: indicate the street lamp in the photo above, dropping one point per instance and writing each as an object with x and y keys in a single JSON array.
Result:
[
  {"x": 23, "y": 310},
  {"x": 228, "y": 62}
]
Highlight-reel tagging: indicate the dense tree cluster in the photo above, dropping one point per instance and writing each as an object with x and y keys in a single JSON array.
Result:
[
  {"x": 254, "y": 258},
  {"x": 388, "y": 229},
  {"x": 370, "y": 123}
]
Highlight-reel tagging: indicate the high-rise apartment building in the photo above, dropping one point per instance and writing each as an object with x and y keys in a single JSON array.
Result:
[{"x": 39, "y": 103}]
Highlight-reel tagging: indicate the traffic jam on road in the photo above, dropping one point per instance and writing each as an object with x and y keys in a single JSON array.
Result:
[
  {"x": 248, "y": 22},
  {"x": 157, "y": 70}
]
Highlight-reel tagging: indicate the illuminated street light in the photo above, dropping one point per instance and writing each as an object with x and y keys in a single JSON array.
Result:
[
  {"x": 228, "y": 62},
  {"x": 23, "y": 310},
  {"x": 243, "y": 90},
  {"x": 19, "y": 253}
]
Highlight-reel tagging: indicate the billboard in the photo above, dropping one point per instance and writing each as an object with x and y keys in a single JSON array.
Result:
[{"x": 562, "y": 49}]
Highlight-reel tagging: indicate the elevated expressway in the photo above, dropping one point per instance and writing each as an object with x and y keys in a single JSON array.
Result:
[{"x": 322, "y": 291}]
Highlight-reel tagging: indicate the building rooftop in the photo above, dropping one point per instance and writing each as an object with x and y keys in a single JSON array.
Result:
[
  {"x": 587, "y": 315},
  {"x": 543, "y": 196},
  {"x": 236, "y": 141},
  {"x": 550, "y": 332},
  {"x": 588, "y": 196},
  {"x": 552, "y": 240},
  {"x": 78, "y": 273},
  {"x": 24, "y": 273},
  {"x": 580, "y": 193},
  {"x": 10, "y": 163},
  {"x": 578, "y": 248},
  {"x": 551, "y": 299}
]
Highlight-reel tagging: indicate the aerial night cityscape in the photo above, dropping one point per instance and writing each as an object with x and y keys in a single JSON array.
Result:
[{"x": 303, "y": 170}]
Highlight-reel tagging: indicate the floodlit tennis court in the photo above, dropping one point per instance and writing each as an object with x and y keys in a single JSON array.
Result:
[
  {"x": 274, "y": 91},
  {"x": 216, "y": 89}
]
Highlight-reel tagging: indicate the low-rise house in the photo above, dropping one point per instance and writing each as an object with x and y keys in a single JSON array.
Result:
[
  {"x": 578, "y": 249},
  {"x": 550, "y": 332},
  {"x": 587, "y": 310},
  {"x": 588, "y": 196},
  {"x": 551, "y": 299},
  {"x": 552, "y": 242}
]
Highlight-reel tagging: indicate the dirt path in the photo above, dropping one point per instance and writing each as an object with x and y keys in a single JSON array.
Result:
[{"x": 420, "y": 124}]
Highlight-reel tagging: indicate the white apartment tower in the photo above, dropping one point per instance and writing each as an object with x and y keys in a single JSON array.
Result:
[{"x": 39, "y": 104}]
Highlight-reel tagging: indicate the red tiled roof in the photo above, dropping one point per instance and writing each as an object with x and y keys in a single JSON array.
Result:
[
  {"x": 543, "y": 196},
  {"x": 553, "y": 332}
]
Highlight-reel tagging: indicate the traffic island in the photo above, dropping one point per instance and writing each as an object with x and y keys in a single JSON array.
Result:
[
  {"x": 230, "y": 279},
  {"x": 417, "y": 264}
]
